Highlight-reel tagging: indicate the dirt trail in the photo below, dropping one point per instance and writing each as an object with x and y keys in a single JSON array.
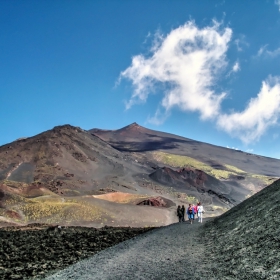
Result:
[
  {"x": 172, "y": 252},
  {"x": 11, "y": 171}
]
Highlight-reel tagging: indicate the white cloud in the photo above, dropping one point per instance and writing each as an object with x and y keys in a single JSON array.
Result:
[
  {"x": 237, "y": 43},
  {"x": 147, "y": 37},
  {"x": 159, "y": 117},
  {"x": 184, "y": 66},
  {"x": 262, "y": 112},
  {"x": 233, "y": 148},
  {"x": 241, "y": 43},
  {"x": 263, "y": 51},
  {"x": 236, "y": 67},
  {"x": 273, "y": 53},
  {"x": 277, "y": 2},
  {"x": 187, "y": 62}
]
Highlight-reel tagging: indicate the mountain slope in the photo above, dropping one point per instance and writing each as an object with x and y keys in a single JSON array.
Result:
[
  {"x": 244, "y": 242},
  {"x": 135, "y": 138},
  {"x": 56, "y": 177},
  {"x": 62, "y": 159},
  {"x": 195, "y": 183},
  {"x": 131, "y": 176},
  {"x": 241, "y": 174}
]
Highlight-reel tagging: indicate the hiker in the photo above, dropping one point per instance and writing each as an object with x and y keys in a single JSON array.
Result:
[
  {"x": 200, "y": 211},
  {"x": 179, "y": 213},
  {"x": 190, "y": 213},
  {"x": 183, "y": 213},
  {"x": 195, "y": 209}
]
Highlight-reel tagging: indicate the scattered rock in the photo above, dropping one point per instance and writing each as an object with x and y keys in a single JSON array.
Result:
[
  {"x": 153, "y": 201},
  {"x": 37, "y": 249}
]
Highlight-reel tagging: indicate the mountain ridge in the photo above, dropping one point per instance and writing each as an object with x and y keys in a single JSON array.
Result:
[
  {"x": 156, "y": 140},
  {"x": 70, "y": 175},
  {"x": 137, "y": 126}
]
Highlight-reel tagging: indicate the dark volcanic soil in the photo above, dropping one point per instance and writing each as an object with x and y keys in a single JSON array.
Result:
[
  {"x": 34, "y": 250},
  {"x": 244, "y": 243}
]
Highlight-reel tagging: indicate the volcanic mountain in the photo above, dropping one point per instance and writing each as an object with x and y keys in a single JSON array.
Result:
[
  {"x": 135, "y": 138},
  {"x": 192, "y": 166},
  {"x": 68, "y": 176},
  {"x": 131, "y": 176}
]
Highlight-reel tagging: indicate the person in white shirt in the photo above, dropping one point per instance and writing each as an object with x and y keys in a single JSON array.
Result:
[{"x": 200, "y": 211}]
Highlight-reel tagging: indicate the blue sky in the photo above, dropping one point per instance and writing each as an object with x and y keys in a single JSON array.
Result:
[{"x": 205, "y": 70}]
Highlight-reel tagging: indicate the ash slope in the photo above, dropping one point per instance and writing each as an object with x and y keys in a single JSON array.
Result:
[
  {"x": 56, "y": 177},
  {"x": 62, "y": 159},
  {"x": 135, "y": 138},
  {"x": 193, "y": 167},
  {"x": 244, "y": 243}
]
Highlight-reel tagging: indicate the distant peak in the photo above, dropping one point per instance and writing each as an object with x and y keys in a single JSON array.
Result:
[
  {"x": 134, "y": 124},
  {"x": 66, "y": 127}
]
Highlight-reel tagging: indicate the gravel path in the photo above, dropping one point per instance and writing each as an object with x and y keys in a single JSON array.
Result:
[{"x": 172, "y": 252}]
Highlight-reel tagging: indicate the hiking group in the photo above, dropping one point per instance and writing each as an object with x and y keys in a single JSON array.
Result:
[{"x": 192, "y": 211}]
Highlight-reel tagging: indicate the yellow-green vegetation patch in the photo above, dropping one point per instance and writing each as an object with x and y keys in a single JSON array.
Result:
[
  {"x": 70, "y": 192},
  {"x": 133, "y": 199},
  {"x": 234, "y": 169},
  {"x": 191, "y": 199},
  {"x": 185, "y": 161},
  {"x": 15, "y": 199},
  {"x": 183, "y": 196},
  {"x": 59, "y": 212},
  {"x": 180, "y": 161},
  {"x": 221, "y": 174},
  {"x": 216, "y": 207},
  {"x": 265, "y": 179},
  {"x": 36, "y": 192},
  {"x": 47, "y": 198},
  {"x": 14, "y": 184}
]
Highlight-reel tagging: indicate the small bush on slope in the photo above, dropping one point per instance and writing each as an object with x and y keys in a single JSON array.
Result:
[{"x": 244, "y": 243}]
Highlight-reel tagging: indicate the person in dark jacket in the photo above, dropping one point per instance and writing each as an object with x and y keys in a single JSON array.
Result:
[
  {"x": 183, "y": 213},
  {"x": 179, "y": 213}
]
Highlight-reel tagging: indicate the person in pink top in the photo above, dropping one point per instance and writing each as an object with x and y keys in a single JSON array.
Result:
[{"x": 195, "y": 209}]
